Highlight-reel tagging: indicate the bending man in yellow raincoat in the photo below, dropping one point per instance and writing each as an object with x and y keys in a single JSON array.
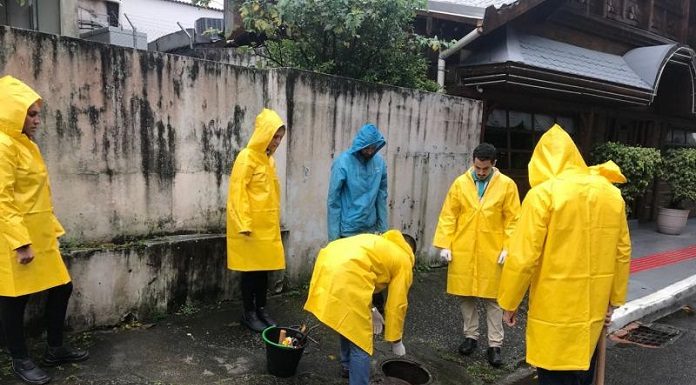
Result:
[
  {"x": 254, "y": 246},
  {"x": 473, "y": 230},
  {"x": 572, "y": 246},
  {"x": 30, "y": 261},
  {"x": 346, "y": 274}
]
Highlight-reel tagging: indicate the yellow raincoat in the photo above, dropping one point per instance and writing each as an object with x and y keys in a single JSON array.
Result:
[
  {"x": 346, "y": 274},
  {"x": 572, "y": 245},
  {"x": 253, "y": 203},
  {"x": 26, "y": 212},
  {"x": 477, "y": 231}
]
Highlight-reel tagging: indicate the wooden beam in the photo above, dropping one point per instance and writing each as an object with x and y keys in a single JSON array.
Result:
[{"x": 684, "y": 30}]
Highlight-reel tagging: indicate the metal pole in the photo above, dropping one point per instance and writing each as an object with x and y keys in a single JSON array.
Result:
[
  {"x": 601, "y": 358},
  {"x": 187, "y": 34},
  {"x": 135, "y": 39}
]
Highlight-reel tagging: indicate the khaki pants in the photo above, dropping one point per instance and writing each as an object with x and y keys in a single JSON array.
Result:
[{"x": 494, "y": 318}]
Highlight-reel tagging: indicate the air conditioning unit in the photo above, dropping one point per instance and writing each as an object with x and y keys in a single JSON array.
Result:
[{"x": 208, "y": 23}]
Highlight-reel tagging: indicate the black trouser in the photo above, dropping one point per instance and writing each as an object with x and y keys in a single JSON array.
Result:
[
  {"x": 12, "y": 315},
  {"x": 254, "y": 286},
  {"x": 568, "y": 377}
]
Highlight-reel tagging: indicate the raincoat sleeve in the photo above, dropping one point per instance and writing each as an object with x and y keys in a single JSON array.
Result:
[
  {"x": 447, "y": 222},
  {"x": 397, "y": 304},
  {"x": 526, "y": 246},
  {"x": 242, "y": 172},
  {"x": 12, "y": 224},
  {"x": 382, "y": 221},
  {"x": 511, "y": 211},
  {"x": 623, "y": 263},
  {"x": 333, "y": 209}
]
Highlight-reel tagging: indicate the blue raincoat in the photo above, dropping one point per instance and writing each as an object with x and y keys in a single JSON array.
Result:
[{"x": 357, "y": 201}]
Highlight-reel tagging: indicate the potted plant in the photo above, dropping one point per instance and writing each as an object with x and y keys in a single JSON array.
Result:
[
  {"x": 638, "y": 164},
  {"x": 679, "y": 171}
]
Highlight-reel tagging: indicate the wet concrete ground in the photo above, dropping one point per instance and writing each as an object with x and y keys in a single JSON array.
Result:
[{"x": 207, "y": 345}]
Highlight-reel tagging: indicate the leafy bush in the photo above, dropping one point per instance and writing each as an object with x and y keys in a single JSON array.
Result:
[
  {"x": 371, "y": 40},
  {"x": 638, "y": 164},
  {"x": 679, "y": 171}
]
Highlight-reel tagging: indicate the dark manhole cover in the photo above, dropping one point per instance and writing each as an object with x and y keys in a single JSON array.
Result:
[
  {"x": 653, "y": 335},
  {"x": 403, "y": 372}
]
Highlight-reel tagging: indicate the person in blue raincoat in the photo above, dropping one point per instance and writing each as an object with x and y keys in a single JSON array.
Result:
[{"x": 357, "y": 199}]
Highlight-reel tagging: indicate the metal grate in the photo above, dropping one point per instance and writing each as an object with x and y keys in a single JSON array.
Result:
[{"x": 653, "y": 335}]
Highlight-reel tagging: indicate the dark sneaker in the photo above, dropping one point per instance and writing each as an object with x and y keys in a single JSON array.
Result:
[
  {"x": 252, "y": 321},
  {"x": 63, "y": 355},
  {"x": 344, "y": 372},
  {"x": 28, "y": 372},
  {"x": 265, "y": 317},
  {"x": 467, "y": 347},
  {"x": 494, "y": 357}
]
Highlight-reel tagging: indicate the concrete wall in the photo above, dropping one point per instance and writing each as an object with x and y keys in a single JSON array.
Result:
[{"x": 141, "y": 143}]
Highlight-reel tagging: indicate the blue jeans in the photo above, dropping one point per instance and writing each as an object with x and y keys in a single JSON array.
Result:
[{"x": 357, "y": 361}]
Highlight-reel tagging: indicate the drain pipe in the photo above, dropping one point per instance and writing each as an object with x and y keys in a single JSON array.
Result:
[{"x": 471, "y": 36}]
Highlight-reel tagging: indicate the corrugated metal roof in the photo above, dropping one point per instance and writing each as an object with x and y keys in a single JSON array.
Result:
[
  {"x": 467, "y": 8},
  {"x": 556, "y": 56},
  {"x": 214, "y": 4}
]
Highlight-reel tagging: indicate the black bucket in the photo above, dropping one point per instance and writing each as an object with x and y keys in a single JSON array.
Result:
[{"x": 282, "y": 360}]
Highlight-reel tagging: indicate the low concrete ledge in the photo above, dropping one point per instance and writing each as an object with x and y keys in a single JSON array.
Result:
[{"x": 143, "y": 279}]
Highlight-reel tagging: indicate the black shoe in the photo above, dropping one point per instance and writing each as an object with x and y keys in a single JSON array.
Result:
[
  {"x": 264, "y": 317},
  {"x": 252, "y": 321},
  {"x": 467, "y": 347},
  {"x": 28, "y": 372},
  {"x": 344, "y": 372},
  {"x": 494, "y": 357},
  {"x": 63, "y": 355}
]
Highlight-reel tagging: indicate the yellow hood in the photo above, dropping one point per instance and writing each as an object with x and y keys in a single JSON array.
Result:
[
  {"x": 609, "y": 170},
  {"x": 266, "y": 125},
  {"x": 553, "y": 155},
  {"x": 396, "y": 237},
  {"x": 15, "y": 99}
]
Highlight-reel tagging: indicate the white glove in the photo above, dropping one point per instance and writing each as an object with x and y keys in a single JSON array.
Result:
[
  {"x": 377, "y": 321},
  {"x": 398, "y": 348},
  {"x": 502, "y": 256},
  {"x": 446, "y": 255}
]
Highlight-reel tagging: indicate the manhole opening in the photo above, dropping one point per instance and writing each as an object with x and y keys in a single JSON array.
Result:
[
  {"x": 653, "y": 335},
  {"x": 408, "y": 372}
]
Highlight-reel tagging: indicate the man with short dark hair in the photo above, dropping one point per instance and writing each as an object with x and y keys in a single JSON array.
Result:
[{"x": 475, "y": 224}]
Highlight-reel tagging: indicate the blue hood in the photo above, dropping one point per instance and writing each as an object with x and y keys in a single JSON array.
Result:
[{"x": 367, "y": 136}]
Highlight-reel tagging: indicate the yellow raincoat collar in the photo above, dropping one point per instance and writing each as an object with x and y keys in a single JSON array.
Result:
[
  {"x": 15, "y": 99},
  {"x": 396, "y": 237},
  {"x": 554, "y": 155},
  {"x": 266, "y": 125},
  {"x": 609, "y": 170}
]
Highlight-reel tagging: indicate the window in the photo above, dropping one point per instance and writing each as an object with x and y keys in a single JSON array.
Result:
[
  {"x": 677, "y": 137},
  {"x": 515, "y": 133}
]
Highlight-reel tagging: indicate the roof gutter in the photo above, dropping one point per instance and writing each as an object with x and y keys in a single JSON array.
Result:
[{"x": 471, "y": 36}]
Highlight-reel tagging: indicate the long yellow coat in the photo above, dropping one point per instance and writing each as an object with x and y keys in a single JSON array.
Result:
[
  {"x": 346, "y": 274},
  {"x": 572, "y": 245},
  {"x": 476, "y": 231},
  {"x": 253, "y": 203},
  {"x": 26, "y": 212}
]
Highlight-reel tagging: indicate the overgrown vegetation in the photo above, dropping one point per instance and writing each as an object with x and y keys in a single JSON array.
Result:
[
  {"x": 679, "y": 171},
  {"x": 638, "y": 164},
  {"x": 371, "y": 40}
]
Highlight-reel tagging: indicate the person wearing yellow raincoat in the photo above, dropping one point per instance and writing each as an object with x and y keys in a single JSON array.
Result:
[
  {"x": 346, "y": 274},
  {"x": 254, "y": 246},
  {"x": 473, "y": 230},
  {"x": 572, "y": 250},
  {"x": 30, "y": 261}
]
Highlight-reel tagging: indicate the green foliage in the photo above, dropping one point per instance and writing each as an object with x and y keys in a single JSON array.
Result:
[
  {"x": 201, "y": 3},
  {"x": 679, "y": 171},
  {"x": 371, "y": 40},
  {"x": 638, "y": 164}
]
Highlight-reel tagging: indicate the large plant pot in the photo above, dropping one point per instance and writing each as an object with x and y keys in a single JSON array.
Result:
[{"x": 671, "y": 221}]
